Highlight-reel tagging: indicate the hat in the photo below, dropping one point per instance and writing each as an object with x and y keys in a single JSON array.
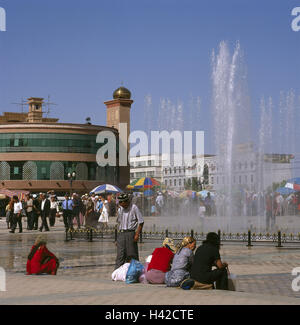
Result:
[
  {"x": 170, "y": 243},
  {"x": 123, "y": 197},
  {"x": 34, "y": 196}
]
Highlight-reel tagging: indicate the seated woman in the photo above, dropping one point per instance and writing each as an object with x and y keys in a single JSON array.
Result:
[
  {"x": 207, "y": 256},
  {"x": 41, "y": 260},
  {"x": 182, "y": 263},
  {"x": 160, "y": 262}
]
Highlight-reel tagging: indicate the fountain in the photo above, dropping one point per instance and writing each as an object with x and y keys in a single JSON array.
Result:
[{"x": 242, "y": 168}]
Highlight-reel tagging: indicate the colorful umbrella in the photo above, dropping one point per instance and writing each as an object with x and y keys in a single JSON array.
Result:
[
  {"x": 148, "y": 193},
  {"x": 293, "y": 184},
  {"x": 173, "y": 194},
  {"x": 187, "y": 193},
  {"x": 204, "y": 193},
  {"x": 10, "y": 193},
  {"x": 106, "y": 188},
  {"x": 285, "y": 190},
  {"x": 144, "y": 183}
]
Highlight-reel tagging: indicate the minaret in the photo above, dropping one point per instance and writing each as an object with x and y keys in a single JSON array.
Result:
[
  {"x": 118, "y": 112},
  {"x": 35, "y": 114}
]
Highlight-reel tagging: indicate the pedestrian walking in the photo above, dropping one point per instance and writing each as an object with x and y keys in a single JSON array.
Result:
[
  {"x": 103, "y": 219},
  {"x": 76, "y": 209},
  {"x": 90, "y": 215},
  {"x": 45, "y": 212},
  {"x": 54, "y": 210},
  {"x": 130, "y": 221},
  {"x": 36, "y": 211},
  {"x": 29, "y": 212},
  {"x": 17, "y": 215},
  {"x": 67, "y": 206},
  {"x": 9, "y": 213}
]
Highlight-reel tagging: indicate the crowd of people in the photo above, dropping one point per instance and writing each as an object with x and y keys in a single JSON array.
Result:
[
  {"x": 243, "y": 203},
  {"x": 173, "y": 265},
  {"x": 41, "y": 211}
]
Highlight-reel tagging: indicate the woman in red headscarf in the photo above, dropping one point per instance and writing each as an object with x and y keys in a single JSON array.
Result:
[{"x": 41, "y": 260}]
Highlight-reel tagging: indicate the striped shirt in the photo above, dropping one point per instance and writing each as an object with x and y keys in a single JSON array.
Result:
[{"x": 130, "y": 218}]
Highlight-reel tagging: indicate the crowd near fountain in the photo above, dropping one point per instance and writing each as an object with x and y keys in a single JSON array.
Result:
[{"x": 233, "y": 113}]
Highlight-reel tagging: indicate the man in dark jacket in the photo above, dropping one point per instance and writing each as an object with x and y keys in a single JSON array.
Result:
[
  {"x": 76, "y": 209},
  {"x": 45, "y": 211}
]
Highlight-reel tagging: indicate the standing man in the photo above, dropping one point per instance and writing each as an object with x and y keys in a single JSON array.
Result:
[
  {"x": 36, "y": 211},
  {"x": 67, "y": 206},
  {"x": 17, "y": 215},
  {"x": 45, "y": 211},
  {"x": 159, "y": 203},
  {"x": 130, "y": 221},
  {"x": 29, "y": 213},
  {"x": 54, "y": 210},
  {"x": 76, "y": 209}
]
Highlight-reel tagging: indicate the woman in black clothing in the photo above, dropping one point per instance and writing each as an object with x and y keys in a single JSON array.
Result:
[{"x": 207, "y": 255}]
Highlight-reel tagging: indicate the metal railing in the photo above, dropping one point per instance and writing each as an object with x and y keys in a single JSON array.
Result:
[{"x": 249, "y": 238}]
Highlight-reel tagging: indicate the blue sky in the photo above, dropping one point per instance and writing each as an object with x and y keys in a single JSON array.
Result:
[{"x": 80, "y": 51}]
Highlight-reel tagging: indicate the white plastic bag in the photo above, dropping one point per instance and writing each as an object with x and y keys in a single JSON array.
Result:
[{"x": 232, "y": 282}]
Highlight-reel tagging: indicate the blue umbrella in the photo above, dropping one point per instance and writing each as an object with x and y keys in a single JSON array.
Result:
[
  {"x": 285, "y": 190},
  {"x": 106, "y": 188},
  {"x": 295, "y": 180}
]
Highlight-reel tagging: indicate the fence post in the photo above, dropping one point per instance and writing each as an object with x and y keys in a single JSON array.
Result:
[
  {"x": 167, "y": 233},
  {"x": 91, "y": 234},
  {"x": 279, "y": 239},
  {"x": 219, "y": 235},
  {"x": 71, "y": 235},
  {"x": 141, "y": 237},
  {"x": 192, "y": 233},
  {"x": 116, "y": 234},
  {"x": 249, "y": 239}
]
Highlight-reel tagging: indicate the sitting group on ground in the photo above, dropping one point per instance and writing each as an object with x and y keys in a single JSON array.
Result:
[
  {"x": 175, "y": 266},
  {"x": 178, "y": 266}
]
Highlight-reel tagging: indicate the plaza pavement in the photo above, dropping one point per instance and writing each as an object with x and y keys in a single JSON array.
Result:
[{"x": 264, "y": 274}]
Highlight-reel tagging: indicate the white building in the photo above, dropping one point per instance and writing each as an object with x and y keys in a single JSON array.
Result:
[
  {"x": 146, "y": 166},
  {"x": 250, "y": 170}
]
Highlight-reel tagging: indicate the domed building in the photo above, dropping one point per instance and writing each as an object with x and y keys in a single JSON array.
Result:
[{"x": 39, "y": 154}]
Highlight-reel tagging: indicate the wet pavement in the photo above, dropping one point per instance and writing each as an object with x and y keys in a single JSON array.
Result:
[{"x": 264, "y": 272}]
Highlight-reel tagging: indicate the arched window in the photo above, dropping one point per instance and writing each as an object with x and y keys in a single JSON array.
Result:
[
  {"x": 30, "y": 170},
  {"x": 4, "y": 170},
  {"x": 57, "y": 170},
  {"x": 81, "y": 171}
]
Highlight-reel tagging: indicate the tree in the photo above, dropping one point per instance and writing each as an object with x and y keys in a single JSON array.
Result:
[
  {"x": 188, "y": 185},
  {"x": 205, "y": 174}
]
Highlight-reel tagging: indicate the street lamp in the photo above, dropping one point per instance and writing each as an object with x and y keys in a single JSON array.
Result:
[{"x": 71, "y": 177}]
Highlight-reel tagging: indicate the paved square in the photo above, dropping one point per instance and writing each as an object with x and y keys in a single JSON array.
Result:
[{"x": 84, "y": 276}]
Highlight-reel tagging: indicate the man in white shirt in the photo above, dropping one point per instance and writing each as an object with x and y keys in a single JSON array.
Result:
[
  {"x": 29, "y": 213},
  {"x": 45, "y": 211},
  {"x": 17, "y": 215},
  {"x": 54, "y": 210},
  {"x": 131, "y": 222},
  {"x": 159, "y": 203}
]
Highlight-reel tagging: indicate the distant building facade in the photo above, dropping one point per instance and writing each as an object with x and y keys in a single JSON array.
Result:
[{"x": 250, "y": 170}]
